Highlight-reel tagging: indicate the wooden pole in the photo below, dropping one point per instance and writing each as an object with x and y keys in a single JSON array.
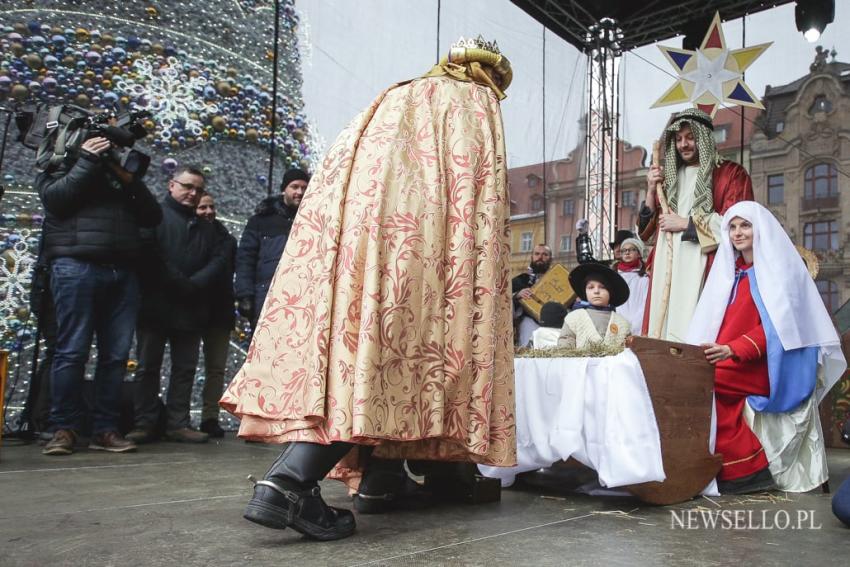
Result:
[{"x": 668, "y": 272}]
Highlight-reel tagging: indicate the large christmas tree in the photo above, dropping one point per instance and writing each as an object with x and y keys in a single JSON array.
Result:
[{"x": 202, "y": 68}]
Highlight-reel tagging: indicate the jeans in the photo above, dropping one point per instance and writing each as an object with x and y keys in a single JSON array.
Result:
[
  {"x": 91, "y": 299},
  {"x": 150, "y": 345},
  {"x": 216, "y": 346}
]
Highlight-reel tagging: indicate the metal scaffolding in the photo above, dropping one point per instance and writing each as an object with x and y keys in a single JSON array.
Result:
[{"x": 602, "y": 133}]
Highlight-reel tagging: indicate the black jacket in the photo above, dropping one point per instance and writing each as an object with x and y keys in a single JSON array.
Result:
[
  {"x": 185, "y": 259},
  {"x": 521, "y": 282},
  {"x": 261, "y": 247},
  {"x": 222, "y": 309},
  {"x": 90, "y": 216}
]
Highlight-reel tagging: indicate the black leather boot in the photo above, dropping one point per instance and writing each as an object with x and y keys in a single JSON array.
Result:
[
  {"x": 386, "y": 486},
  {"x": 289, "y": 494}
]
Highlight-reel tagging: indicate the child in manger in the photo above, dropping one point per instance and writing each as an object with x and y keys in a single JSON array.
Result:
[{"x": 601, "y": 290}]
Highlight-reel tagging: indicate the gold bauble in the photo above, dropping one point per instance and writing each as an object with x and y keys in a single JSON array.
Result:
[
  {"x": 33, "y": 61},
  {"x": 20, "y": 92},
  {"x": 219, "y": 123}
]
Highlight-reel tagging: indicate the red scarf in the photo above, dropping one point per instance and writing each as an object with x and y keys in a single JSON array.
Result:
[{"x": 633, "y": 266}]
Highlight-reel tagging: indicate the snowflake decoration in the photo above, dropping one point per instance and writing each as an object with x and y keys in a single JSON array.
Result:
[
  {"x": 170, "y": 96},
  {"x": 16, "y": 267}
]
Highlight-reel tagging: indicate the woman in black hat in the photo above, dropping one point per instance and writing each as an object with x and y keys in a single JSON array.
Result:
[{"x": 601, "y": 289}]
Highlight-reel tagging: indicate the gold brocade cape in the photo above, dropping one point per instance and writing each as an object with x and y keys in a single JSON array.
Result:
[{"x": 388, "y": 321}]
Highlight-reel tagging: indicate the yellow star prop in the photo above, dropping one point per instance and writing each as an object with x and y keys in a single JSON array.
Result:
[{"x": 711, "y": 75}]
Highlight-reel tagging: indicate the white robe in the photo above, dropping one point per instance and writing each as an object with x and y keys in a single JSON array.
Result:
[
  {"x": 688, "y": 268},
  {"x": 632, "y": 310}
]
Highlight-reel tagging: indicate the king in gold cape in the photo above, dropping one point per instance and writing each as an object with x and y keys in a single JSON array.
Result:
[{"x": 388, "y": 321}]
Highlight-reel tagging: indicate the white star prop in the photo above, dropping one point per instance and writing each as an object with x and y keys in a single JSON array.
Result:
[{"x": 711, "y": 75}]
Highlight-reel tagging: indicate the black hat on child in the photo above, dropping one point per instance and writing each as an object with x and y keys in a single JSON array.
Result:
[
  {"x": 614, "y": 282},
  {"x": 621, "y": 236}
]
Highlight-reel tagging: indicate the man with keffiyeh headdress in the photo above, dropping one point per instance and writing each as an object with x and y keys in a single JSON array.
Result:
[{"x": 699, "y": 185}]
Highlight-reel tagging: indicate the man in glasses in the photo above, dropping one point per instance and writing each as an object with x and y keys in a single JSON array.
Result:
[{"x": 185, "y": 259}]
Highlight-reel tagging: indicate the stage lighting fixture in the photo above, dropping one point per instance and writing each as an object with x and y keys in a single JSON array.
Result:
[{"x": 812, "y": 16}]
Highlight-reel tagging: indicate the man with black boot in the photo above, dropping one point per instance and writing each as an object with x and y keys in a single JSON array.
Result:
[
  {"x": 263, "y": 241},
  {"x": 386, "y": 334}
]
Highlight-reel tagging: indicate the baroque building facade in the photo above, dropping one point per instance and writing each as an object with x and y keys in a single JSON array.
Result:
[{"x": 800, "y": 167}]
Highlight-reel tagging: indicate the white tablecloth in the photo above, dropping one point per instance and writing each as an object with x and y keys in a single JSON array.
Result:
[{"x": 596, "y": 410}]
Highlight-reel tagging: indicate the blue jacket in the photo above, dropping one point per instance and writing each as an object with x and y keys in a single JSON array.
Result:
[{"x": 261, "y": 247}]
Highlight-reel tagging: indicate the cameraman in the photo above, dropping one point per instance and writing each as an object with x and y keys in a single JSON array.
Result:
[{"x": 94, "y": 210}]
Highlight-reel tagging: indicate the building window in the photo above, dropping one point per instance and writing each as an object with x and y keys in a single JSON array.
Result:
[
  {"x": 569, "y": 207},
  {"x": 720, "y": 134},
  {"x": 566, "y": 242},
  {"x": 525, "y": 242},
  {"x": 532, "y": 180},
  {"x": 821, "y": 104},
  {"x": 628, "y": 199},
  {"x": 775, "y": 189},
  {"x": 780, "y": 126},
  {"x": 536, "y": 203},
  {"x": 829, "y": 293},
  {"x": 821, "y": 181},
  {"x": 821, "y": 235}
]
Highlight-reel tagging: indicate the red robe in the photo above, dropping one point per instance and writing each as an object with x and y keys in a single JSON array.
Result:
[
  {"x": 736, "y": 378},
  {"x": 730, "y": 184}
]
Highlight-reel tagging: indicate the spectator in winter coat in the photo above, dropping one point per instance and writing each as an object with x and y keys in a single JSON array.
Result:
[{"x": 263, "y": 241}]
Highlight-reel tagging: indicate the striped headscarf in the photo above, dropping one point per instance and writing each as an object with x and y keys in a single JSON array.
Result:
[{"x": 702, "y": 127}]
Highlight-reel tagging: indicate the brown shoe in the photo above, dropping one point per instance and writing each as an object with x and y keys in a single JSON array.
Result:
[
  {"x": 61, "y": 444},
  {"x": 186, "y": 435},
  {"x": 111, "y": 441}
]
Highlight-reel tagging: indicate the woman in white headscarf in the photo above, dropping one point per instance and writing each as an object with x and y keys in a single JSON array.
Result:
[{"x": 794, "y": 347}]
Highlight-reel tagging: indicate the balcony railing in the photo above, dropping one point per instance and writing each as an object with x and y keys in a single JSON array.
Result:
[{"x": 812, "y": 203}]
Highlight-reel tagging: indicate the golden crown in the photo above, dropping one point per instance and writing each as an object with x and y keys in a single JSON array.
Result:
[{"x": 477, "y": 43}]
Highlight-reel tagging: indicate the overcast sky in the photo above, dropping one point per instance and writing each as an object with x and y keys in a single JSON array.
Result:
[{"x": 356, "y": 48}]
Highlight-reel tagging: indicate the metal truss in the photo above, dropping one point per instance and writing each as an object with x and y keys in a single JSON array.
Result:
[
  {"x": 642, "y": 22},
  {"x": 602, "y": 132}
]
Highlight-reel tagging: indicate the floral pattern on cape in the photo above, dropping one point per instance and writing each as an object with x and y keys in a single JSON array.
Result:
[{"x": 388, "y": 321}]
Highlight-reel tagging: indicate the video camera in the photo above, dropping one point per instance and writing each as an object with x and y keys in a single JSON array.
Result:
[{"x": 58, "y": 131}]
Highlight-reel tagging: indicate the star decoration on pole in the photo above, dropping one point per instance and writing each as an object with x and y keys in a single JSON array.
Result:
[{"x": 712, "y": 75}]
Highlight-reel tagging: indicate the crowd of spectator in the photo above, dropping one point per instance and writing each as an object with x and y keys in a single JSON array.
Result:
[{"x": 122, "y": 265}]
